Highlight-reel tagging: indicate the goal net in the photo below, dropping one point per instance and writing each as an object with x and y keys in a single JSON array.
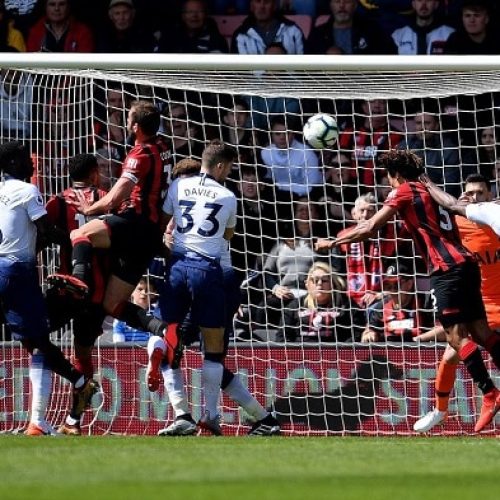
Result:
[{"x": 326, "y": 341}]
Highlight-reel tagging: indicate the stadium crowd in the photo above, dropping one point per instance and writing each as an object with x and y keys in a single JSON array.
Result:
[{"x": 250, "y": 26}]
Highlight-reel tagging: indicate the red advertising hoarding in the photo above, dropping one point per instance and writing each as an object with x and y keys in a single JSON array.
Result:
[{"x": 317, "y": 391}]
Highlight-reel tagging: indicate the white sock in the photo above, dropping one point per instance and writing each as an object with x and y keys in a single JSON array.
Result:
[
  {"x": 241, "y": 395},
  {"x": 156, "y": 342},
  {"x": 41, "y": 387},
  {"x": 211, "y": 378},
  {"x": 174, "y": 385}
]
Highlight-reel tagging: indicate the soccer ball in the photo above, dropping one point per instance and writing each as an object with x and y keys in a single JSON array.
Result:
[{"x": 321, "y": 131}]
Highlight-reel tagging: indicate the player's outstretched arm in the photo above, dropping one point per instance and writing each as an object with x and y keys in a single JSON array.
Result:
[
  {"x": 364, "y": 230},
  {"x": 442, "y": 198}
]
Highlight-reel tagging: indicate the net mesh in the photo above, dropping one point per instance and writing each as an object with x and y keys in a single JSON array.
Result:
[{"x": 313, "y": 366}]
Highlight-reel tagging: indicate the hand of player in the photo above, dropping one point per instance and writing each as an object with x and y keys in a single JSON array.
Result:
[
  {"x": 425, "y": 180},
  {"x": 324, "y": 244},
  {"x": 78, "y": 200}
]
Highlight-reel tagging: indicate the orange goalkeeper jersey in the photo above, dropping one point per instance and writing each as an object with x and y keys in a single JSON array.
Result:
[{"x": 485, "y": 245}]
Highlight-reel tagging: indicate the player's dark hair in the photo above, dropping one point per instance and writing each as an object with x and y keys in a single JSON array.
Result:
[
  {"x": 217, "y": 152},
  {"x": 478, "y": 178},
  {"x": 147, "y": 116},
  {"x": 80, "y": 166},
  {"x": 187, "y": 166},
  {"x": 15, "y": 160},
  {"x": 403, "y": 162}
]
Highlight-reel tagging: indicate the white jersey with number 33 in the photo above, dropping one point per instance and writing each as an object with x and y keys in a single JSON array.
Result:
[{"x": 202, "y": 210}]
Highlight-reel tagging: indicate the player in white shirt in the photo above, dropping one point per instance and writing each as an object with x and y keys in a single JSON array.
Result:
[
  {"x": 24, "y": 227},
  {"x": 204, "y": 212},
  {"x": 487, "y": 213},
  {"x": 265, "y": 423}
]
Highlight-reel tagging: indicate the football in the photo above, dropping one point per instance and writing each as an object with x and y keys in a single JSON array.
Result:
[{"x": 321, "y": 131}]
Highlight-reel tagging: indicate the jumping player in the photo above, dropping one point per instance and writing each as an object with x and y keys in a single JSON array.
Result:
[
  {"x": 454, "y": 272},
  {"x": 133, "y": 234},
  {"x": 24, "y": 225},
  {"x": 204, "y": 212},
  {"x": 265, "y": 423},
  {"x": 482, "y": 241},
  {"x": 87, "y": 316}
]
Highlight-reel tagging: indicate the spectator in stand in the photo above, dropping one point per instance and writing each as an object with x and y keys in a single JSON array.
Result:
[
  {"x": 488, "y": 151},
  {"x": 144, "y": 295},
  {"x": 264, "y": 107},
  {"x": 196, "y": 33},
  {"x": 338, "y": 193},
  {"x": 11, "y": 39},
  {"x": 123, "y": 33},
  {"x": 291, "y": 165},
  {"x": 323, "y": 314},
  {"x": 16, "y": 101},
  {"x": 349, "y": 32},
  {"x": 476, "y": 35},
  {"x": 109, "y": 168},
  {"x": 111, "y": 128},
  {"x": 426, "y": 33},
  {"x": 183, "y": 133},
  {"x": 386, "y": 14},
  {"x": 58, "y": 31},
  {"x": 287, "y": 265},
  {"x": 438, "y": 151},
  {"x": 367, "y": 138},
  {"x": 236, "y": 130},
  {"x": 362, "y": 261},
  {"x": 256, "y": 221},
  {"x": 400, "y": 314},
  {"x": 264, "y": 26}
]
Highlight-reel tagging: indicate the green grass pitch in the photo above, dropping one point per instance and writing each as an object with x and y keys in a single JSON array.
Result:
[{"x": 256, "y": 468}]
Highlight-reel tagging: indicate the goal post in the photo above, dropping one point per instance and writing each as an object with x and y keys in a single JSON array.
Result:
[{"x": 315, "y": 370}]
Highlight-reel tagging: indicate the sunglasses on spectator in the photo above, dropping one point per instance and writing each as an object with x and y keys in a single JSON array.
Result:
[{"x": 343, "y": 164}]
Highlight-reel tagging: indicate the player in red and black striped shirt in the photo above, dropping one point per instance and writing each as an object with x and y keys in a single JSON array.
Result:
[
  {"x": 132, "y": 233},
  {"x": 83, "y": 171},
  {"x": 455, "y": 276}
]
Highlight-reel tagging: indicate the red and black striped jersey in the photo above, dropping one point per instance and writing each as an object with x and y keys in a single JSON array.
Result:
[
  {"x": 147, "y": 166},
  {"x": 67, "y": 218},
  {"x": 431, "y": 227}
]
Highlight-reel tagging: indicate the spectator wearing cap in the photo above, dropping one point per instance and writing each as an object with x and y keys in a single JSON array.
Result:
[
  {"x": 264, "y": 26},
  {"x": 123, "y": 33},
  {"x": 348, "y": 32},
  {"x": 476, "y": 34},
  {"x": 425, "y": 34},
  {"x": 197, "y": 32},
  {"x": 58, "y": 31},
  {"x": 400, "y": 313}
]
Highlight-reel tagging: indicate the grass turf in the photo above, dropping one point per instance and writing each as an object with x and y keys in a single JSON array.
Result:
[{"x": 248, "y": 468}]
